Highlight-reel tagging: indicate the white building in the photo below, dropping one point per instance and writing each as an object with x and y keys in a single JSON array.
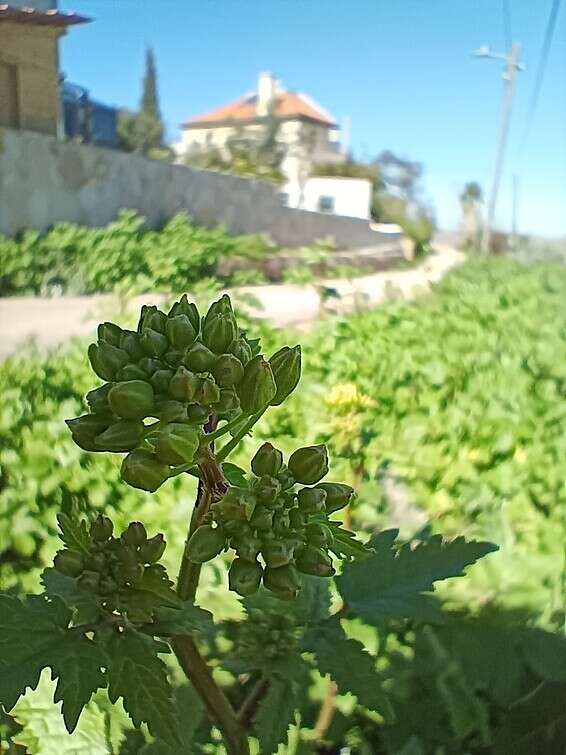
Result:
[
  {"x": 308, "y": 133},
  {"x": 333, "y": 194}
]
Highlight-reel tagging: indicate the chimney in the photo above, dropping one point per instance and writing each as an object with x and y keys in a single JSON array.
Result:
[{"x": 266, "y": 93}]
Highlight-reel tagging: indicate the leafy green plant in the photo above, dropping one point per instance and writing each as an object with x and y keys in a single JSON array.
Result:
[{"x": 173, "y": 389}]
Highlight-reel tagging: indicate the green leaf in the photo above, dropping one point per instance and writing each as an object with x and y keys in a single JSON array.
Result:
[
  {"x": 34, "y": 635},
  {"x": 313, "y": 601},
  {"x": 83, "y": 603},
  {"x": 185, "y": 619},
  {"x": 155, "y": 589},
  {"x": 348, "y": 664},
  {"x": 546, "y": 654},
  {"x": 139, "y": 677},
  {"x": 345, "y": 544},
  {"x": 44, "y": 731},
  {"x": 30, "y": 634},
  {"x": 536, "y": 724},
  {"x": 275, "y": 714},
  {"x": 74, "y": 533},
  {"x": 191, "y": 712},
  {"x": 235, "y": 474},
  {"x": 394, "y": 582}
]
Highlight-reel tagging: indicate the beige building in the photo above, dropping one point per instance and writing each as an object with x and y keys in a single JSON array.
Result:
[
  {"x": 308, "y": 133},
  {"x": 29, "y": 63}
]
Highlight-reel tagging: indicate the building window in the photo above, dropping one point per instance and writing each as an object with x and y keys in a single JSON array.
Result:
[{"x": 325, "y": 204}]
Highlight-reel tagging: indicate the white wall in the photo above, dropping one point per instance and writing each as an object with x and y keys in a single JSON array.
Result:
[{"x": 350, "y": 197}]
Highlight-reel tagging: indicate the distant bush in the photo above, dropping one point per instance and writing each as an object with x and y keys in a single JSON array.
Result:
[{"x": 75, "y": 259}]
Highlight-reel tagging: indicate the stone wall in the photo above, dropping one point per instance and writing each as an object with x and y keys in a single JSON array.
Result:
[
  {"x": 29, "y": 76},
  {"x": 44, "y": 181}
]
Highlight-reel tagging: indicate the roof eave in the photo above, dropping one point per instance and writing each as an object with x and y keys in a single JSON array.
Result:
[{"x": 248, "y": 121}]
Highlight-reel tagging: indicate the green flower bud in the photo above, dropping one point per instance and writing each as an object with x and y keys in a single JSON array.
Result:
[
  {"x": 132, "y": 399},
  {"x": 180, "y": 331},
  {"x": 121, "y": 436},
  {"x": 247, "y": 547},
  {"x": 174, "y": 358},
  {"x": 285, "y": 478},
  {"x": 197, "y": 414},
  {"x": 200, "y": 358},
  {"x": 281, "y": 522},
  {"x": 106, "y": 360},
  {"x": 184, "y": 385},
  {"x": 107, "y": 586},
  {"x": 286, "y": 367},
  {"x": 228, "y": 370},
  {"x": 257, "y": 387},
  {"x": 240, "y": 348},
  {"x": 86, "y": 428},
  {"x": 338, "y": 495},
  {"x": 262, "y": 519},
  {"x": 283, "y": 581},
  {"x": 160, "y": 380},
  {"x": 219, "y": 332},
  {"x": 228, "y": 401},
  {"x": 183, "y": 307},
  {"x": 89, "y": 580},
  {"x": 237, "y": 504},
  {"x": 309, "y": 464},
  {"x": 317, "y": 533},
  {"x": 171, "y": 411},
  {"x": 208, "y": 392},
  {"x": 277, "y": 553},
  {"x": 97, "y": 399},
  {"x": 131, "y": 372},
  {"x": 143, "y": 470},
  {"x": 131, "y": 572},
  {"x": 152, "y": 550},
  {"x": 101, "y": 529},
  {"x": 222, "y": 306},
  {"x": 312, "y": 500},
  {"x": 267, "y": 489},
  {"x": 130, "y": 343},
  {"x": 267, "y": 460},
  {"x": 153, "y": 343},
  {"x": 109, "y": 332},
  {"x": 244, "y": 577},
  {"x": 135, "y": 534},
  {"x": 97, "y": 562},
  {"x": 149, "y": 365},
  {"x": 296, "y": 519},
  {"x": 206, "y": 542},
  {"x": 152, "y": 319},
  {"x": 69, "y": 563},
  {"x": 314, "y": 561},
  {"x": 177, "y": 443}
]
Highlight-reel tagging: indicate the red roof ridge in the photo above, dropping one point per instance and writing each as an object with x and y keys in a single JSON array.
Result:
[{"x": 288, "y": 105}]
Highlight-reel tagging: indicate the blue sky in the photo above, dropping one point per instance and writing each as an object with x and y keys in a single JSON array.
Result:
[{"x": 401, "y": 70}]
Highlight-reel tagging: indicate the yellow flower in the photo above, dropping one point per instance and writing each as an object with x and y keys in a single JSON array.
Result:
[{"x": 347, "y": 396}]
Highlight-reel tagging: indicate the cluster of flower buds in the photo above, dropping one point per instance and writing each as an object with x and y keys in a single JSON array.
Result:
[
  {"x": 276, "y": 530},
  {"x": 122, "y": 572},
  {"x": 181, "y": 370},
  {"x": 268, "y": 634}
]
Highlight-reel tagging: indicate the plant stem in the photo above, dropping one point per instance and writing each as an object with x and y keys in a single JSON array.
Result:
[
  {"x": 249, "y": 706},
  {"x": 231, "y": 445},
  {"x": 326, "y": 713},
  {"x": 185, "y": 648},
  {"x": 210, "y": 437},
  {"x": 216, "y": 702}
]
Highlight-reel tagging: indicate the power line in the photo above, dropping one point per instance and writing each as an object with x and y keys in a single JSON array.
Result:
[
  {"x": 541, "y": 69},
  {"x": 507, "y": 28}
]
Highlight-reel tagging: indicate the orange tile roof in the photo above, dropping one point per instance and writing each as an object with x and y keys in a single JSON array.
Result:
[
  {"x": 42, "y": 18},
  {"x": 288, "y": 105}
]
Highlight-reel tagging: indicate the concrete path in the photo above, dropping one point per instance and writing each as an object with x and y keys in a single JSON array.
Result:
[{"x": 49, "y": 322}]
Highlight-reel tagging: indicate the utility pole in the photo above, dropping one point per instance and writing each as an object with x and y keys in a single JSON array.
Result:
[
  {"x": 512, "y": 66},
  {"x": 514, "y": 232}
]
